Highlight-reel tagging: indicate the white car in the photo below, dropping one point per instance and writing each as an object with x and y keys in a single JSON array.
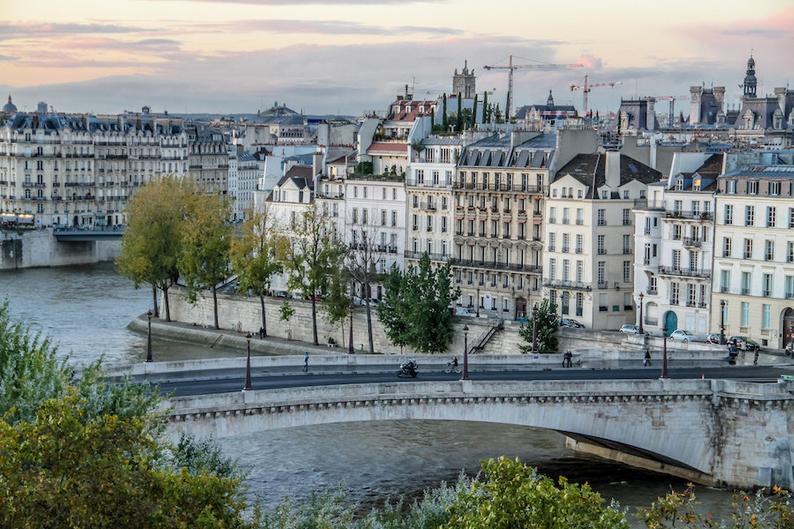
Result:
[
  {"x": 629, "y": 328},
  {"x": 681, "y": 335}
]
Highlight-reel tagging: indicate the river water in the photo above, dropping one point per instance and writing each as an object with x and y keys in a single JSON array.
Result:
[{"x": 86, "y": 309}]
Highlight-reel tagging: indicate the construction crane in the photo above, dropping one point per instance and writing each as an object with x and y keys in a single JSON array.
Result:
[
  {"x": 512, "y": 67},
  {"x": 587, "y": 86},
  {"x": 671, "y": 102}
]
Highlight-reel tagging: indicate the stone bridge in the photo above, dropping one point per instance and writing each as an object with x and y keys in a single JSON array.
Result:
[{"x": 721, "y": 432}]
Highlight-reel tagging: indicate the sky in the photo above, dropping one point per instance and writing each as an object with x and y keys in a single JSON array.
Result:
[{"x": 353, "y": 56}]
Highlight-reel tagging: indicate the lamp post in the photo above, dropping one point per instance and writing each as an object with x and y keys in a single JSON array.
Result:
[
  {"x": 642, "y": 331},
  {"x": 722, "y": 322},
  {"x": 149, "y": 338},
  {"x": 664, "y": 352},
  {"x": 534, "y": 329},
  {"x": 465, "y": 352},
  {"x": 477, "y": 301},
  {"x": 248, "y": 385}
]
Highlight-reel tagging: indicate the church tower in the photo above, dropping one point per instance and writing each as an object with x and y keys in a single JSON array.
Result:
[
  {"x": 750, "y": 81},
  {"x": 550, "y": 100},
  {"x": 464, "y": 82}
]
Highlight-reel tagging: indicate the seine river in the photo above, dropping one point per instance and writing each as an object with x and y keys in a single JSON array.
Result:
[{"x": 86, "y": 310}]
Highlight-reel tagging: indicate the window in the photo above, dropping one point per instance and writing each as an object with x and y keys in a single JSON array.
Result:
[
  {"x": 767, "y": 282},
  {"x": 731, "y": 187},
  {"x": 552, "y": 215},
  {"x": 774, "y": 188},
  {"x": 627, "y": 271},
  {"x": 602, "y": 217},
  {"x": 745, "y": 321},
  {"x": 626, "y": 217},
  {"x": 579, "y": 303},
  {"x": 565, "y": 219},
  {"x": 579, "y": 270},
  {"x": 601, "y": 273},
  {"x": 383, "y": 214},
  {"x": 626, "y": 244},
  {"x": 790, "y": 252},
  {"x": 394, "y": 218},
  {"x": 728, "y": 214},
  {"x": 789, "y": 287},
  {"x": 600, "y": 244},
  {"x": 355, "y": 216},
  {"x": 676, "y": 259},
  {"x": 674, "y": 293},
  {"x": 691, "y": 295},
  {"x": 746, "y": 283},
  {"x": 552, "y": 268},
  {"x": 749, "y": 215},
  {"x": 770, "y": 216},
  {"x": 766, "y": 316},
  {"x": 566, "y": 300},
  {"x": 566, "y": 239},
  {"x": 791, "y": 217},
  {"x": 415, "y": 222},
  {"x": 676, "y": 232},
  {"x": 552, "y": 240},
  {"x": 566, "y": 269},
  {"x": 579, "y": 216},
  {"x": 727, "y": 246},
  {"x": 725, "y": 281},
  {"x": 603, "y": 299},
  {"x": 579, "y": 239},
  {"x": 443, "y": 224},
  {"x": 748, "y": 248},
  {"x": 752, "y": 188},
  {"x": 769, "y": 251}
]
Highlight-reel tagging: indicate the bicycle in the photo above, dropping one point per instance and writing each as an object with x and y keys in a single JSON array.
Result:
[{"x": 452, "y": 368}]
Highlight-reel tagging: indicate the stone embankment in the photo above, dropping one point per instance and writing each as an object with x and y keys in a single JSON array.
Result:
[{"x": 40, "y": 248}]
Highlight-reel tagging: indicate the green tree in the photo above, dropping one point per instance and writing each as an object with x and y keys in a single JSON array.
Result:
[
  {"x": 206, "y": 240},
  {"x": 310, "y": 257},
  {"x": 545, "y": 323},
  {"x": 497, "y": 114},
  {"x": 394, "y": 308},
  {"x": 285, "y": 314},
  {"x": 255, "y": 256},
  {"x": 444, "y": 117},
  {"x": 416, "y": 307},
  {"x": 512, "y": 495},
  {"x": 486, "y": 109},
  {"x": 474, "y": 112},
  {"x": 151, "y": 243},
  {"x": 459, "y": 115},
  {"x": 338, "y": 303}
]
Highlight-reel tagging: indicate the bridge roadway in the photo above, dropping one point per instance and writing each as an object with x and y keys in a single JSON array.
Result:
[{"x": 214, "y": 381}]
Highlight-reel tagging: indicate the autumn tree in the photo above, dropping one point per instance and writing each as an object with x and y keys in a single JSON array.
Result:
[
  {"x": 152, "y": 240},
  {"x": 338, "y": 301},
  {"x": 311, "y": 253},
  {"x": 365, "y": 256},
  {"x": 205, "y": 244},
  {"x": 255, "y": 256}
]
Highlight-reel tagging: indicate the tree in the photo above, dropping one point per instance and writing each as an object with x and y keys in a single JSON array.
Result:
[
  {"x": 459, "y": 115},
  {"x": 286, "y": 312},
  {"x": 498, "y": 114},
  {"x": 309, "y": 259},
  {"x": 338, "y": 302},
  {"x": 255, "y": 256},
  {"x": 511, "y": 495},
  {"x": 151, "y": 243},
  {"x": 206, "y": 240},
  {"x": 363, "y": 259},
  {"x": 474, "y": 112},
  {"x": 444, "y": 118},
  {"x": 486, "y": 109},
  {"x": 416, "y": 308},
  {"x": 545, "y": 323}
]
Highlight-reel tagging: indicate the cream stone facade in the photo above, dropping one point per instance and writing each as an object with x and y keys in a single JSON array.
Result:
[
  {"x": 588, "y": 262},
  {"x": 80, "y": 170},
  {"x": 754, "y": 254}
]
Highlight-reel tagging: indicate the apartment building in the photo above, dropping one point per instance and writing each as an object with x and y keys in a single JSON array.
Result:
[
  {"x": 674, "y": 235},
  {"x": 208, "y": 159},
  {"x": 498, "y": 194},
  {"x": 589, "y": 237},
  {"x": 429, "y": 196},
  {"x": 80, "y": 170},
  {"x": 375, "y": 220},
  {"x": 754, "y": 257}
]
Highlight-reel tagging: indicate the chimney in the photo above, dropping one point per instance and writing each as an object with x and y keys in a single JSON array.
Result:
[
  {"x": 317, "y": 163},
  {"x": 612, "y": 169}
]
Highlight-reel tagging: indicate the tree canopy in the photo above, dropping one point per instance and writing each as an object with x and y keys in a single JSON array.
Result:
[{"x": 545, "y": 325}]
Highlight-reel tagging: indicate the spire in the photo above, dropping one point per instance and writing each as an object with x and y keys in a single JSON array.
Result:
[
  {"x": 750, "y": 80},
  {"x": 550, "y": 100}
]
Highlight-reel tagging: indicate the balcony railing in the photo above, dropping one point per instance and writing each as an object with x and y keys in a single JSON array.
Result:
[
  {"x": 432, "y": 256},
  {"x": 652, "y": 291},
  {"x": 685, "y": 272},
  {"x": 690, "y": 242},
  {"x": 497, "y": 265},
  {"x": 689, "y": 215},
  {"x": 570, "y": 285}
]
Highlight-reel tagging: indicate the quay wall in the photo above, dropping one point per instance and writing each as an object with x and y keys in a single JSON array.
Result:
[{"x": 40, "y": 248}]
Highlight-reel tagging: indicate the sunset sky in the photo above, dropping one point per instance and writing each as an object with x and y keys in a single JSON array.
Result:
[{"x": 349, "y": 56}]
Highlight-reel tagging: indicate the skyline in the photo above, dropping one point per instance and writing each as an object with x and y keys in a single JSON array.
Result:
[{"x": 342, "y": 56}]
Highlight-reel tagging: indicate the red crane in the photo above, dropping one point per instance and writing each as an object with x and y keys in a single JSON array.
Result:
[{"x": 587, "y": 86}]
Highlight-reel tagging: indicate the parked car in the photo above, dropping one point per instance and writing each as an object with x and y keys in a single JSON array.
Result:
[
  {"x": 629, "y": 328},
  {"x": 713, "y": 338},
  {"x": 680, "y": 335},
  {"x": 573, "y": 324},
  {"x": 743, "y": 343}
]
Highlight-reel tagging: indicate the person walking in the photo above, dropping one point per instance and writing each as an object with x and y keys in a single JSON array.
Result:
[
  {"x": 306, "y": 362},
  {"x": 755, "y": 357},
  {"x": 647, "y": 361}
]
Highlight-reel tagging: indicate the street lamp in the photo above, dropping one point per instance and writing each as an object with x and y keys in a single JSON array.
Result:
[
  {"x": 478, "y": 302},
  {"x": 664, "y": 352},
  {"x": 465, "y": 352},
  {"x": 642, "y": 331},
  {"x": 722, "y": 322},
  {"x": 149, "y": 338},
  {"x": 248, "y": 385},
  {"x": 534, "y": 329}
]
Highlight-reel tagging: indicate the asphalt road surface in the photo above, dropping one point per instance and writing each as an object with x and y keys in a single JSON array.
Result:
[{"x": 224, "y": 381}]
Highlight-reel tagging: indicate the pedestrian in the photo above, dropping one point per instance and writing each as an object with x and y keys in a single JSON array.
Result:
[
  {"x": 755, "y": 357},
  {"x": 570, "y": 359},
  {"x": 306, "y": 362},
  {"x": 647, "y": 361}
]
